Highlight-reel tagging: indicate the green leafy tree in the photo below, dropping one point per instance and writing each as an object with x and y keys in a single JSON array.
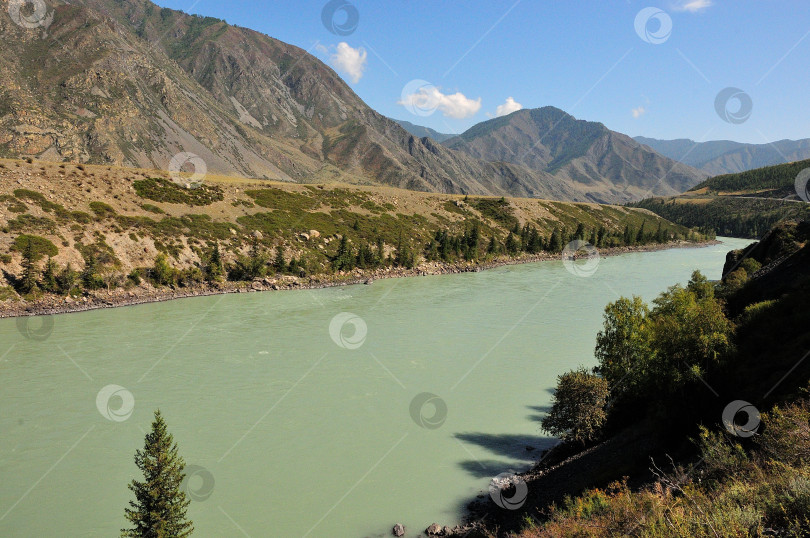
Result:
[
  {"x": 160, "y": 506},
  {"x": 623, "y": 345},
  {"x": 690, "y": 333},
  {"x": 163, "y": 274},
  {"x": 578, "y": 407}
]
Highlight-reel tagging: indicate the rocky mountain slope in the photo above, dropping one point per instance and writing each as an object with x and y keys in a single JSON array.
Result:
[
  {"x": 421, "y": 131},
  {"x": 727, "y": 157},
  {"x": 581, "y": 153},
  {"x": 129, "y": 83}
]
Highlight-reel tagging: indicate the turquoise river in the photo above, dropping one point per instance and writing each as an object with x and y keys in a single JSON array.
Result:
[{"x": 304, "y": 413}]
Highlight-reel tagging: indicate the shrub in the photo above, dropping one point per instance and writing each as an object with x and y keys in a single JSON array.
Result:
[
  {"x": 786, "y": 436},
  {"x": 40, "y": 247}
]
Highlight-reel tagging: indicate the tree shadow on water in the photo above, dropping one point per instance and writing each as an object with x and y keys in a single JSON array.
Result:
[
  {"x": 541, "y": 410},
  {"x": 518, "y": 450}
]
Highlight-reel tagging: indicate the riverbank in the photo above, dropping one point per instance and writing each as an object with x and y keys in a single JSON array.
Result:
[{"x": 51, "y": 304}]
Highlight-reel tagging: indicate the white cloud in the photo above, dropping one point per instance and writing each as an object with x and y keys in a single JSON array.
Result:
[
  {"x": 508, "y": 107},
  {"x": 638, "y": 112},
  {"x": 693, "y": 6},
  {"x": 351, "y": 61},
  {"x": 428, "y": 98}
]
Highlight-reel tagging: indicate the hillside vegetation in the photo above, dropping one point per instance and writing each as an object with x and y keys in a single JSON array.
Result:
[
  {"x": 746, "y": 204},
  {"x": 673, "y": 460},
  {"x": 72, "y": 230}
]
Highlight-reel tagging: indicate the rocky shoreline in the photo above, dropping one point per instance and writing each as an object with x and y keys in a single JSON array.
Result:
[{"x": 145, "y": 293}]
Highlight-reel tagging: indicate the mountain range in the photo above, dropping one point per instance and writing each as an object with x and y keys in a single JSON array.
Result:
[
  {"x": 726, "y": 157},
  {"x": 129, "y": 83}
]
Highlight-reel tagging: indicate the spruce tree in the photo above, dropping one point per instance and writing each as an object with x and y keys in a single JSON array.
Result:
[
  {"x": 49, "y": 276},
  {"x": 215, "y": 269},
  {"x": 28, "y": 282},
  {"x": 279, "y": 264},
  {"x": 160, "y": 506}
]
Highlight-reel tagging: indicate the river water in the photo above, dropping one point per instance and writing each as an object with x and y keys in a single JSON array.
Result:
[{"x": 334, "y": 412}]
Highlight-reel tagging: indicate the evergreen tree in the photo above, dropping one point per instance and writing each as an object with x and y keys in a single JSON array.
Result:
[
  {"x": 90, "y": 277},
  {"x": 580, "y": 233},
  {"x": 29, "y": 279},
  {"x": 380, "y": 250},
  {"x": 600, "y": 236},
  {"x": 555, "y": 242},
  {"x": 49, "y": 276},
  {"x": 512, "y": 246},
  {"x": 279, "y": 264},
  {"x": 160, "y": 506},
  {"x": 66, "y": 280},
  {"x": 492, "y": 248},
  {"x": 215, "y": 269},
  {"x": 404, "y": 256},
  {"x": 344, "y": 259}
]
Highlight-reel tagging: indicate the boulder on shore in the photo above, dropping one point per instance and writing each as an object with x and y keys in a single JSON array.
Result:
[
  {"x": 434, "y": 530},
  {"x": 398, "y": 530}
]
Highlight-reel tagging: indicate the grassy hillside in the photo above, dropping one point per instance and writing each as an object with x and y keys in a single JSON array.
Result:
[
  {"x": 746, "y": 204},
  {"x": 73, "y": 229}
]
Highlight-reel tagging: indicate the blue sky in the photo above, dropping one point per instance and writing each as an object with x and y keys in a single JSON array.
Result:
[{"x": 584, "y": 57}]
